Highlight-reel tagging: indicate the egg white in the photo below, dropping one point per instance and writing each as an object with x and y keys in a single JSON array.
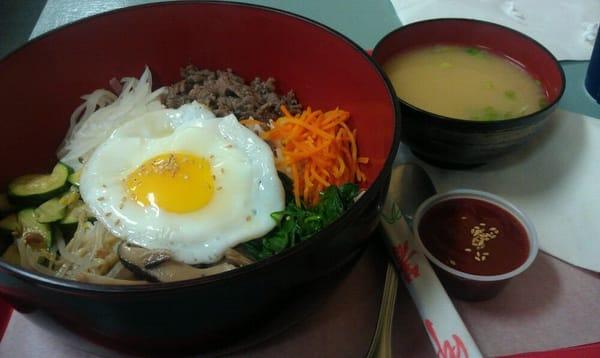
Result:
[{"x": 243, "y": 166}]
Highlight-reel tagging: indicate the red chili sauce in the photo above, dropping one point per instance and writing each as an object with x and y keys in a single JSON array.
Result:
[{"x": 474, "y": 236}]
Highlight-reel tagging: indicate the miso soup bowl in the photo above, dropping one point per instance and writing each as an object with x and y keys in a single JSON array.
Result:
[
  {"x": 465, "y": 285},
  {"x": 452, "y": 142}
]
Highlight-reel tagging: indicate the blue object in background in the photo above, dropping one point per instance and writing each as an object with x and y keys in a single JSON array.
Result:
[{"x": 592, "y": 79}]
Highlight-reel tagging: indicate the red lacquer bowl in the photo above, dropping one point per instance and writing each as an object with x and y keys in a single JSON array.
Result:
[
  {"x": 40, "y": 85},
  {"x": 451, "y": 142}
]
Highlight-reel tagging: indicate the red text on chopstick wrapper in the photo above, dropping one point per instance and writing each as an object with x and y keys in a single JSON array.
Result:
[
  {"x": 403, "y": 254},
  {"x": 446, "y": 349}
]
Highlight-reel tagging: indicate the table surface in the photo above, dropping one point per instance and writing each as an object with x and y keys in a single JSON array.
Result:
[{"x": 365, "y": 22}]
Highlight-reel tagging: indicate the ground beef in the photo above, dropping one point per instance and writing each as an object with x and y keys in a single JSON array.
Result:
[{"x": 225, "y": 92}]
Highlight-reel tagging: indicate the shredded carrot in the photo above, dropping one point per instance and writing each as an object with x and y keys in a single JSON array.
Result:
[{"x": 319, "y": 150}]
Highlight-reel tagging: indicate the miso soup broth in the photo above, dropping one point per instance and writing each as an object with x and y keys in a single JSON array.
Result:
[{"x": 464, "y": 82}]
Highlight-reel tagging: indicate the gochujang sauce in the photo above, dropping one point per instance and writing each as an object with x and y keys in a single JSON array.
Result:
[{"x": 474, "y": 236}]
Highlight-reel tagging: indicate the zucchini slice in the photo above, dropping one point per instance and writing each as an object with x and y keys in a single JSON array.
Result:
[
  {"x": 50, "y": 211},
  {"x": 70, "y": 197},
  {"x": 35, "y": 189},
  {"x": 37, "y": 235},
  {"x": 68, "y": 225},
  {"x": 74, "y": 178},
  {"x": 9, "y": 225},
  {"x": 55, "y": 209},
  {"x": 5, "y": 205}
]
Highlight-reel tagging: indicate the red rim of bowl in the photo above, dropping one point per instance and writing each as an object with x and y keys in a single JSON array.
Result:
[
  {"x": 495, "y": 200},
  {"x": 371, "y": 193},
  {"x": 443, "y": 118}
]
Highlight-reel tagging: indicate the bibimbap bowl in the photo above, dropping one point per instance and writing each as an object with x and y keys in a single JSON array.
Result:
[{"x": 42, "y": 83}]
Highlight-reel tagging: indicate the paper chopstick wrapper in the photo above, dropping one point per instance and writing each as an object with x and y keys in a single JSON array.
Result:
[{"x": 446, "y": 330}]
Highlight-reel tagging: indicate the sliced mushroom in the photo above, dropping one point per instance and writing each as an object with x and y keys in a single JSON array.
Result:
[
  {"x": 135, "y": 259},
  {"x": 156, "y": 257},
  {"x": 236, "y": 258}
]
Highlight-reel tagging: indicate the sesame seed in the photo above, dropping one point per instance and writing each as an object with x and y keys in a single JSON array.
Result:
[
  {"x": 477, "y": 258},
  {"x": 452, "y": 262},
  {"x": 463, "y": 217},
  {"x": 100, "y": 198},
  {"x": 483, "y": 258},
  {"x": 468, "y": 250}
]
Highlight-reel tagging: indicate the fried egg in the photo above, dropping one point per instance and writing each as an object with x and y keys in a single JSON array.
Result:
[{"x": 184, "y": 180}]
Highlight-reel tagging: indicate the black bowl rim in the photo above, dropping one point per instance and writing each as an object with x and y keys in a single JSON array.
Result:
[
  {"x": 496, "y": 123},
  {"x": 370, "y": 194}
]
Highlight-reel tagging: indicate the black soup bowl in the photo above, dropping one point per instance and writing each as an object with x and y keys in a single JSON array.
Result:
[
  {"x": 458, "y": 143},
  {"x": 41, "y": 84}
]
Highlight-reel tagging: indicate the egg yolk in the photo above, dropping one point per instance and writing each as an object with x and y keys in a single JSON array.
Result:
[{"x": 174, "y": 182}]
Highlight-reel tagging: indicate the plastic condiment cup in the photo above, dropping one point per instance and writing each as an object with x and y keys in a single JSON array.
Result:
[{"x": 466, "y": 285}]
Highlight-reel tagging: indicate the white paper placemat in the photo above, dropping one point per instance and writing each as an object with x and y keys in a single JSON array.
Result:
[
  {"x": 566, "y": 27},
  {"x": 555, "y": 179}
]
